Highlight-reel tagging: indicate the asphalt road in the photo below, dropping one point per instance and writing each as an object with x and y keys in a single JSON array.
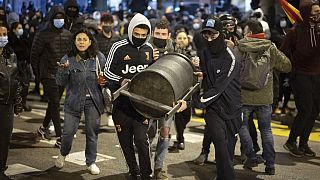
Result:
[{"x": 32, "y": 158}]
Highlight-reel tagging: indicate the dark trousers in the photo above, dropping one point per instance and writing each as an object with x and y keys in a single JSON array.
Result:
[
  {"x": 131, "y": 130},
  {"x": 6, "y": 126},
  {"x": 306, "y": 90},
  {"x": 54, "y": 93},
  {"x": 181, "y": 121},
  {"x": 284, "y": 90},
  {"x": 207, "y": 140},
  {"x": 224, "y": 144}
]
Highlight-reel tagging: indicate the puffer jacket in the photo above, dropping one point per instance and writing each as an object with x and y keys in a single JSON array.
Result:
[
  {"x": 8, "y": 77},
  {"x": 80, "y": 79},
  {"x": 49, "y": 46},
  {"x": 278, "y": 61},
  {"x": 105, "y": 43}
]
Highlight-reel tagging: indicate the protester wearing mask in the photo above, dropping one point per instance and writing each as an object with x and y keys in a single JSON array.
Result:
[
  {"x": 10, "y": 100},
  {"x": 105, "y": 39},
  {"x": 49, "y": 46},
  {"x": 107, "y": 36},
  {"x": 301, "y": 44},
  {"x": 162, "y": 44},
  {"x": 22, "y": 50},
  {"x": 221, "y": 100},
  {"x": 73, "y": 21},
  {"x": 125, "y": 59},
  {"x": 3, "y": 16}
]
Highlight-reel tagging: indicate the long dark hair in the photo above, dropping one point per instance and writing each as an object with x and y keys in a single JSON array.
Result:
[{"x": 92, "y": 50}]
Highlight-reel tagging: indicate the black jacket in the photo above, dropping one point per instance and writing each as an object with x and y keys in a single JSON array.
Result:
[
  {"x": 8, "y": 76},
  {"x": 124, "y": 61},
  {"x": 73, "y": 24},
  {"x": 222, "y": 75},
  {"x": 49, "y": 46},
  {"x": 105, "y": 43}
]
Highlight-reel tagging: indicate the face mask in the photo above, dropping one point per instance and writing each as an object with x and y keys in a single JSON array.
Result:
[
  {"x": 106, "y": 29},
  {"x": 160, "y": 43},
  {"x": 138, "y": 41},
  {"x": 19, "y": 32},
  {"x": 115, "y": 23},
  {"x": 216, "y": 46},
  {"x": 72, "y": 14},
  {"x": 3, "y": 41},
  {"x": 196, "y": 26},
  {"x": 185, "y": 18},
  {"x": 283, "y": 24},
  {"x": 58, "y": 23}
]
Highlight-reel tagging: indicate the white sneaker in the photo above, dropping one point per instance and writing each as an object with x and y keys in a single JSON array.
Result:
[
  {"x": 60, "y": 161},
  {"x": 110, "y": 121},
  {"x": 94, "y": 170},
  {"x": 51, "y": 129}
]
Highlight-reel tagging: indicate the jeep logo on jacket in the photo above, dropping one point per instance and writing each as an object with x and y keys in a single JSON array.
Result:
[{"x": 125, "y": 60}]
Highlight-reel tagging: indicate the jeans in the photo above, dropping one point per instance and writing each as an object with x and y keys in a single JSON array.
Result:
[
  {"x": 162, "y": 145},
  {"x": 92, "y": 125},
  {"x": 54, "y": 93},
  {"x": 263, "y": 113},
  {"x": 6, "y": 126}
]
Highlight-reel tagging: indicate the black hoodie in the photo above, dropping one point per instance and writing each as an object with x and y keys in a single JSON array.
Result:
[
  {"x": 73, "y": 22},
  {"x": 302, "y": 43}
]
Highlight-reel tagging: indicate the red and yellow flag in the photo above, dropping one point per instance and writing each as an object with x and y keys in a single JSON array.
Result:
[{"x": 292, "y": 13}]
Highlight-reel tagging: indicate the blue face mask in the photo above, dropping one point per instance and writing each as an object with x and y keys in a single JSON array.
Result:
[
  {"x": 3, "y": 41},
  {"x": 58, "y": 23}
]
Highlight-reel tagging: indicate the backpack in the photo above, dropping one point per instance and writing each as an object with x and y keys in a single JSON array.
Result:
[{"x": 255, "y": 71}]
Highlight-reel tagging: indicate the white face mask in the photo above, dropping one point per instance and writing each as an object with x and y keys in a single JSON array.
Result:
[
  {"x": 58, "y": 23},
  {"x": 19, "y": 32},
  {"x": 3, "y": 41},
  {"x": 283, "y": 24},
  {"x": 196, "y": 26}
]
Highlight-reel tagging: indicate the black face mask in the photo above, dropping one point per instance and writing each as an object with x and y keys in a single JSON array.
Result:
[
  {"x": 138, "y": 41},
  {"x": 160, "y": 43},
  {"x": 106, "y": 29},
  {"x": 216, "y": 46},
  {"x": 72, "y": 14}
]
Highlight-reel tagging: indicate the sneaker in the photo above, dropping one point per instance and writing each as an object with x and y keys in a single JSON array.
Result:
[
  {"x": 160, "y": 174},
  {"x": 110, "y": 122},
  {"x": 249, "y": 163},
  {"x": 94, "y": 170},
  {"x": 270, "y": 170},
  {"x": 59, "y": 163},
  {"x": 201, "y": 159},
  {"x": 51, "y": 129},
  {"x": 58, "y": 143},
  {"x": 307, "y": 151},
  {"x": 293, "y": 150},
  {"x": 44, "y": 133},
  {"x": 181, "y": 146}
]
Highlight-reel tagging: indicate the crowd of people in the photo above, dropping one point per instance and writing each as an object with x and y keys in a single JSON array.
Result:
[{"x": 84, "y": 54}]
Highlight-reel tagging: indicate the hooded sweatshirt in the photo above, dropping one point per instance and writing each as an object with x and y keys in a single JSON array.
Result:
[
  {"x": 75, "y": 22},
  {"x": 124, "y": 59},
  {"x": 255, "y": 46},
  {"x": 302, "y": 43}
]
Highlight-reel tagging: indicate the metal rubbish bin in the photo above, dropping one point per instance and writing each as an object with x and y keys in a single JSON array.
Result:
[{"x": 154, "y": 91}]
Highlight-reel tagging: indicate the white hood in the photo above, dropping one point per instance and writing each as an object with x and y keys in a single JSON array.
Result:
[{"x": 135, "y": 21}]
